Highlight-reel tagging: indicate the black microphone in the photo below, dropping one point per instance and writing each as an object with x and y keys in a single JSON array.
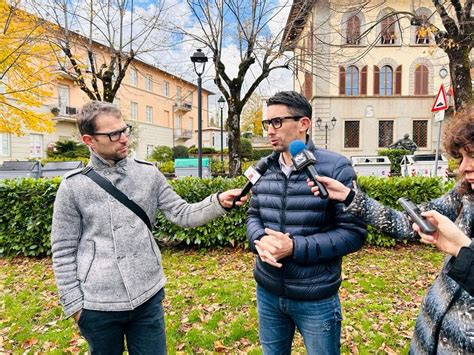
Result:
[
  {"x": 304, "y": 159},
  {"x": 253, "y": 174}
]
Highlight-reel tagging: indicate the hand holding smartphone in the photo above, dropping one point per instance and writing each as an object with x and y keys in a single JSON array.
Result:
[{"x": 415, "y": 214}]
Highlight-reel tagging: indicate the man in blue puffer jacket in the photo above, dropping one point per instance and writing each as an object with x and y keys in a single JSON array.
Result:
[{"x": 299, "y": 239}]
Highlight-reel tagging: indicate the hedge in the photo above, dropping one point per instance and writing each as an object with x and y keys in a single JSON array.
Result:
[{"x": 27, "y": 204}]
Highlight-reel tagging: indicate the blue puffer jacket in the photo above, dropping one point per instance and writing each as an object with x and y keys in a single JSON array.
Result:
[{"x": 322, "y": 232}]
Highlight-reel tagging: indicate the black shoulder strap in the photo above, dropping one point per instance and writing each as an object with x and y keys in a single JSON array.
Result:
[{"x": 119, "y": 195}]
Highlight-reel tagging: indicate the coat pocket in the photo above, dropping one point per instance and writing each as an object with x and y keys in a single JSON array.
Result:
[{"x": 85, "y": 260}]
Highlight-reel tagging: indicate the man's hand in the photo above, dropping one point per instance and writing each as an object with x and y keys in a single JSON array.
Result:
[
  {"x": 336, "y": 190},
  {"x": 77, "y": 315},
  {"x": 274, "y": 246},
  {"x": 448, "y": 237},
  {"x": 264, "y": 253},
  {"x": 226, "y": 198}
]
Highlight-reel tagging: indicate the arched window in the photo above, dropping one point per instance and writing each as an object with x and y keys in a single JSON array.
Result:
[
  {"x": 422, "y": 34},
  {"x": 421, "y": 80},
  {"x": 387, "y": 30},
  {"x": 352, "y": 81},
  {"x": 353, "y": 30},
  {"x": 386, "y": 81}
]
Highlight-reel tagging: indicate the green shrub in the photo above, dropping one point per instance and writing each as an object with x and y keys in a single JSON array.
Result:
[
  {"x": 180, "y": 151},
  {"x": 69, "y": 149},
  {"x": 217, "y": 167},
  {"x": 395, "y": 156},
  {"x": 388, "y": 190},
  {"x": 84, "y": 160},
  {"x": 205, "y": 150},
  {"x": 246, "y": 148},
  {"x": 27, "y": 208},
  {"x": 453, "y": 164},
  {"x": 25, "y": 221},
  {"x": 257, "y": 154},
  {"x": 167, "y": 167},
  {"x": 229, "y": 230},
  {"x": 161, "y": 154}
]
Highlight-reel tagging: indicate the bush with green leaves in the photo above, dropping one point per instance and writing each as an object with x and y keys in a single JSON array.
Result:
[
  {"x": 161, "y": 154},
  {"x": 217, "y": 167},
  {"x": 205, "y": 150},
  {"x": 246, "y": 148},
  {"x": 167, "y": 167},
  {"x": 395, "y": 156},
  {"x": 258, "y": 154},
  {"x": 224, "y": 231},
  {"x": 25, "y": 221},
  {"x": 27, "y": 208},
  {"x": 69, "y": 149},
  {"x": 180, "y": 151},
  {"x": 388, "y": 190}
]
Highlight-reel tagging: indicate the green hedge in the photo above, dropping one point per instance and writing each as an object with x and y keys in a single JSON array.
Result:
[
  {"x": 25, "y": 221},
  {"x": 219, "y": 232},
  {"x": 27, "y": 205},
  {"x": 388, "y": 190}
]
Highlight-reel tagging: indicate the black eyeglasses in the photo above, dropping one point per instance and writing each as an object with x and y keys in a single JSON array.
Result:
[
  {"x": 277, "y": 122},
  {"x": 116, "y": 135}
]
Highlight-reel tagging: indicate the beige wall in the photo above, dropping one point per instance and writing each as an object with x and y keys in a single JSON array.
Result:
[
  {"x": 160, "y": 131},
  {"x": 325, "y": 60}
]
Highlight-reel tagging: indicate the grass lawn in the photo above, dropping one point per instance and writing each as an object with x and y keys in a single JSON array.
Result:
[{"x": 210, "y": 302}]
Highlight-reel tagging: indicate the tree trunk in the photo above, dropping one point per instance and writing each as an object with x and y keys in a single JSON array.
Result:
[
  {"x": 233, "y": 122},
  {"x": 460, "y": 68}
]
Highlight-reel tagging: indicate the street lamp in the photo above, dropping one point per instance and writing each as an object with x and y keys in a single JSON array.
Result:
[
  {"x": 221, "y": 102},
  {"x": 199, "y": 60},
  {"x": 326, "y": 127}
]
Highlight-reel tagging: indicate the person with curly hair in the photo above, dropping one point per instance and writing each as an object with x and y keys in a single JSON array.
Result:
[{"x": 445, "y": 324}]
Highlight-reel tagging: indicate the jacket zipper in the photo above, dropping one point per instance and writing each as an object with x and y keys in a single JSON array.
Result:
[{"x": 282, "y": 223}]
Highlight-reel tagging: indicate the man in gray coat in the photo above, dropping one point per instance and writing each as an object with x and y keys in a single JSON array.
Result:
[{"x": 106, "y": 263}]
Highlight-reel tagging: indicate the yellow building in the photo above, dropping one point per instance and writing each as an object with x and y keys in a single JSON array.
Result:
[
  {"x": 375, "y": 74},
  {"x": 161, "y": 107}
]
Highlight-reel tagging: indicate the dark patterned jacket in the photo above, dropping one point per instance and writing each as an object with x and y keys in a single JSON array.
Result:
[{"x": 445, "y": 324}]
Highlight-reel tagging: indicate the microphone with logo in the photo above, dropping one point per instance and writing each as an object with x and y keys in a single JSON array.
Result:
[
  {"x": 304, "y": 159},
  {"x": 253, "y": 175}
]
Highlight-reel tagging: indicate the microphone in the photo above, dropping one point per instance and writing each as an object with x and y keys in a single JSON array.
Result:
[
  {"x": 253, "y": 175},
  {"x": 304, "y": 159}
]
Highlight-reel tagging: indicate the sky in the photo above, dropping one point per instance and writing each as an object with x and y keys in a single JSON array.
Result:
[{"x": 174, "y": 51}]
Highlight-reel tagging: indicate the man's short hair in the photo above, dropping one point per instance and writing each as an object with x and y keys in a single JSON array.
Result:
[
  {"x": 297, "y": 104},
  {"x": 86, "y": 119}
]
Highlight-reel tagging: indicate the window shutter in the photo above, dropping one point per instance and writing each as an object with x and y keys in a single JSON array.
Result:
[
  {"x": 342, "y": 81},
  {"x": 398, "y": 80},
  {"x": 363, "y": 81},
  {"x": 417, "y": 81},
  {"x": 376, "y": 80}
]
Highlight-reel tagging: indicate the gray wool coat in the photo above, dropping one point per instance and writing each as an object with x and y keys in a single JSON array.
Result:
[{"x": 104, "y": 256}]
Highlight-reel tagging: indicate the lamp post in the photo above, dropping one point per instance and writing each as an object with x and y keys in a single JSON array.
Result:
[
  {"x": 199, "y": 60},
  {"x": 221, "y": 102},
  {"x": 326, "y": 128}
]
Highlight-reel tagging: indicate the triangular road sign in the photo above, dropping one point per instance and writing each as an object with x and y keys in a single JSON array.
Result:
[{"x": 440, "y": 103}]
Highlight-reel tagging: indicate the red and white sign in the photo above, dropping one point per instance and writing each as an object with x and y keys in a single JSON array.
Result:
[{"x": 440, "y": 103}]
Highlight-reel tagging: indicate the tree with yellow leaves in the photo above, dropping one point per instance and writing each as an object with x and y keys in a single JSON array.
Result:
[
  {"x": 25, "y": 72},
  {"x": 252, "y": 115}
]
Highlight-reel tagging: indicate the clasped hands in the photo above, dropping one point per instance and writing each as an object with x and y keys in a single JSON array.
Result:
[{"x": 274, "y": 246}]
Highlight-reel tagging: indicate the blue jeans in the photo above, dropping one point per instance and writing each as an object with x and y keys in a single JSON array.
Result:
[
  {"x": 319, "y": 322},
  {"x": 143, "y": 328}
]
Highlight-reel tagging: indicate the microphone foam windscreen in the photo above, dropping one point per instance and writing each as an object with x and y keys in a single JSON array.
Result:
[{"x": 296, "y": 146}]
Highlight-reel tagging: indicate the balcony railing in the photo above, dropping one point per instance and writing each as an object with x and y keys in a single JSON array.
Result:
[
  {"x": 183, "y": 106},
  {"x": 64, "y": 113},
  {"x": 183, "y": 133}
]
